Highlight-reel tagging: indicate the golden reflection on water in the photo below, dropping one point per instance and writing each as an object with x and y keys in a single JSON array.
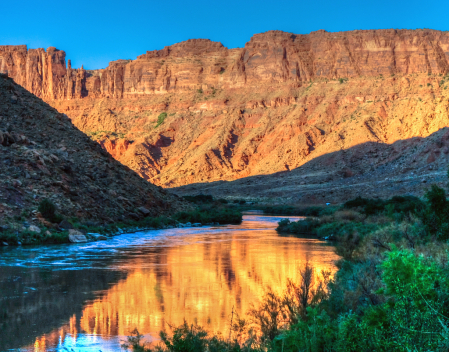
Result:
[
  {"x": 200, "y": 285},
  {"x": 201, "y": 282}
]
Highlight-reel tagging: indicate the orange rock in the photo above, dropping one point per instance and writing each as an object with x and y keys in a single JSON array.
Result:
[{"x": 276, "y": 104}]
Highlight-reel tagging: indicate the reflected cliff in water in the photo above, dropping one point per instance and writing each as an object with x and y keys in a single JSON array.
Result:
[{"x": 199, "y": 275}]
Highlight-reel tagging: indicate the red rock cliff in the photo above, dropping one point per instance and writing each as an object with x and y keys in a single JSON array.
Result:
[
  {"x": 277, "y": 104},
  {"x": 270, "y": 57}
]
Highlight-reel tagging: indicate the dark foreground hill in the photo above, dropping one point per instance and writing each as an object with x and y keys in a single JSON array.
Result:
[{"x": 43, "y": 156}]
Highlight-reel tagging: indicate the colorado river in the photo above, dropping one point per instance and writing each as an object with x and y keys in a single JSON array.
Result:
[{"x": 88, "y": 297}]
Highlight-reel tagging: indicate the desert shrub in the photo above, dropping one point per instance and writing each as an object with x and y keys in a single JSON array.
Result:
[
  {"x": 134, "y": 341},
  {"x": 413, "y": 317},
  {"x": 342, "y": 228},
  {"x": 306, "y": 226},
  {"x": 348, "y": 215},
  {"x": 299, "y": 211},
  {"x": 48, "y": 210},
  {"x": 161, "y": 118},
  {"x": 185, "y": 338},
  {"x": 436, "y": 216},
  {"x": 317, "y": 333},
  {"x": 397, "y": 204}
]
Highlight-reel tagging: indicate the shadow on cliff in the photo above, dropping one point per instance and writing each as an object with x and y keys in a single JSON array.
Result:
[{"x": 415, "y": 158}]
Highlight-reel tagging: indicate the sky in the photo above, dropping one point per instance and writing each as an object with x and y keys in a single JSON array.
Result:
[{"x": 93, "y": 33}]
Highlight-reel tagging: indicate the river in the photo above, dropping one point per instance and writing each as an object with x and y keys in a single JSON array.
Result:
[{"x": 88, "y": 297}]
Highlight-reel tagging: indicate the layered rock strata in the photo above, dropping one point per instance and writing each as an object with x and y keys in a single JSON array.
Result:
[
  {"x": 199, "y": 112},
  {"x": 271, "y": 57}
]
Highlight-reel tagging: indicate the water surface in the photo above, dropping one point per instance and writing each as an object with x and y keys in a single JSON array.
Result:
[{"x": 88, "y": 297}]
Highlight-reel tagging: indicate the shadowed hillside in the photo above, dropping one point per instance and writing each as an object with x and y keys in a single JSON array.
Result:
[
  {"x": 369, "y": 170},
  {"x": 44, "y": 156}
]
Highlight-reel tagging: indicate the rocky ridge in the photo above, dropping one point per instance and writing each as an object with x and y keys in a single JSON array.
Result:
[{"x": 43, "y": 156}]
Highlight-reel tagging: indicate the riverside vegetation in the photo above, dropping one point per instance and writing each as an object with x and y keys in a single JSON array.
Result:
[
  {"x": 391, "y": 292},
  {"x": 58, "y": 230}
]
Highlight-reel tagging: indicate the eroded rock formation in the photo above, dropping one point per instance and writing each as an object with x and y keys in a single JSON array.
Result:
[
  {"x": 274, "y": 105},
  {"x": 271, "y": 57}
]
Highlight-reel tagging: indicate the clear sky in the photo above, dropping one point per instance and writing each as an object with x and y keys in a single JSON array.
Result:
[{"x": 97, "y": 31}]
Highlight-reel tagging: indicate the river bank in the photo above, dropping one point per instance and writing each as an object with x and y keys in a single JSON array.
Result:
[{"x": 78, "y": 231}]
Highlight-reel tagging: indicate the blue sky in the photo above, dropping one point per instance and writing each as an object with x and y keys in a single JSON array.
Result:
[{"x": 96, "y": 32}]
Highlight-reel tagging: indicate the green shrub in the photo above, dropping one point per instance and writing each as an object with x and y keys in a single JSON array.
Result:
[
  {"x": 299, "y": 211},
  {"x": 48, "y": 211},
  {"x": 306, "y": 226},
  {"x": 161, "y": 118},
  {"x": 397, "y": 204}
]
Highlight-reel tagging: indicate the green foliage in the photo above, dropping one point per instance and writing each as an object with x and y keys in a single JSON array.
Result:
[
  {"x": 341, "y": 228},
  {"x": 13, "y": 237},
  {"x": 200, "y": 91},
  {"x": 161, "y": 118},
  {"x": 306, "y": 226},
  {"x": 299, "y": 211},
  {"x": 391, "y": 292},
  {"x": 436, "y": 216},
  {"x": 48, "y": 211},
  {"x": 185, "y": 338},
  {"x": 397, "y": 204},
  {"x": 134, "y": 341},
  {"x": 413, "y": 317}
]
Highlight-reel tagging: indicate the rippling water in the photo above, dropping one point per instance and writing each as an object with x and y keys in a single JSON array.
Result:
[{"x": 88, "y": 297}]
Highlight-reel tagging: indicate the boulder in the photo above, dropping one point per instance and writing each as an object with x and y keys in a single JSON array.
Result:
[
  {"x": 76, "y": 236},
  {"x": 197, "y": 224},
  {"x": 144, "y": 211},
  {"x": 98, "y": 237},
  {"x": 34, "y": 228}
]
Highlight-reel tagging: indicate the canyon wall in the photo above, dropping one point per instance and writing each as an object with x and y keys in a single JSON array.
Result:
[
  {"x": 199, "y": 112},
  {"x": 271, "y": 57}
]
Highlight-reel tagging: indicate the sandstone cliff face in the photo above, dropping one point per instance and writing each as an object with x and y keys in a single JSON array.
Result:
[
  {"x": 43, "y": 73},
  {"x": 278, "y": 103},
  {"x": 271, "y": 57}
]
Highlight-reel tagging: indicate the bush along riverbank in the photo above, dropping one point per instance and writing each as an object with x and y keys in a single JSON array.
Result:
[
  {"x": 390, "y": 293},
  {"x": 53, "y": 229}
]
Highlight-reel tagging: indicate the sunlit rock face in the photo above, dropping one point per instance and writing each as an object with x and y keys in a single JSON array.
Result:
[
  {"x": 271, "y": 57},
  {"x": 272, "y": 106}
]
